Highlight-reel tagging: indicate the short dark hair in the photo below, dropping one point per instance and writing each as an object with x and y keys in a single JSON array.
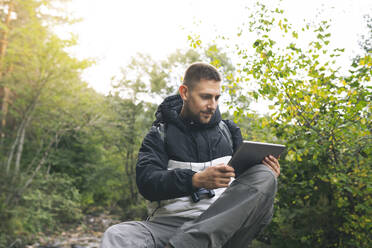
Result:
[{"x": 198, "y": 71}]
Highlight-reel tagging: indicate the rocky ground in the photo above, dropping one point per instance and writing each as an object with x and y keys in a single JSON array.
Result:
[{"x": 86, "y": 235}]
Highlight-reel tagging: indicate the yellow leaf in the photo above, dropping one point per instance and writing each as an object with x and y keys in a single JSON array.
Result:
[
  {"x": 264, "y": 123},
  {"x": 299, "y": 158}
]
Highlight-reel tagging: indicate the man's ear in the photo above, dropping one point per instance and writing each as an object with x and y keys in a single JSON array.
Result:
[{"x": 184, "y": 92}]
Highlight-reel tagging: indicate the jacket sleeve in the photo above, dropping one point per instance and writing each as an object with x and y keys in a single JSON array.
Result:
[
  {"x": 154, "y": 181},
  {"x": 235, "y": 134}
]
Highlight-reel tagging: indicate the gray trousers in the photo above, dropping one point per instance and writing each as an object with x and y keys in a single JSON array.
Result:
[{"x": 232, "y": 221}]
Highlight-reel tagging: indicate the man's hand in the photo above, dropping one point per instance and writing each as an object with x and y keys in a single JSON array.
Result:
[
  {"x": 213, "y": 177},
  {"x": 273, "y": 164}
]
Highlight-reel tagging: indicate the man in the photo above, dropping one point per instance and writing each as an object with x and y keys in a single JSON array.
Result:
[{"x": 182, "y": 170}]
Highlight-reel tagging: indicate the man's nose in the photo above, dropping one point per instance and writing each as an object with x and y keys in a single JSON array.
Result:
[{"x": 213, "y": 104}]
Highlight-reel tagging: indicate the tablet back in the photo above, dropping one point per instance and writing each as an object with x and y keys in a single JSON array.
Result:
[{"x": 251, "y": 153}]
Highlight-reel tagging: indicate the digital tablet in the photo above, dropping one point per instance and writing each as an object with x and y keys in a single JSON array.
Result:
[{"x": 251, "y": 153}]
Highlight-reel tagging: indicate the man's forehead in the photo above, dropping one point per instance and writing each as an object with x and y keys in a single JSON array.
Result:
[{"x": 208, "y": 86}]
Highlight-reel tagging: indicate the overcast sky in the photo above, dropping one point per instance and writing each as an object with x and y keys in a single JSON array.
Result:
[{"x": 114, "y": 30}]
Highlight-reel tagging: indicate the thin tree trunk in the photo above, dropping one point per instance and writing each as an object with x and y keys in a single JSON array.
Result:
[
  {"x": 20, "y": 135},
  {"x": 6, "y": 90},
  {"x": 38, "y": 167},
  {"x": 25, "y": 120},
  {"x": 20, "y": 147},
  {"x": 58, "y": 135},
  {"x": 14, "y": 145}
]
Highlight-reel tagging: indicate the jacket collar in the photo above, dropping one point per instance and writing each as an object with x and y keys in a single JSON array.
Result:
[{"x": 169, "y": 112}]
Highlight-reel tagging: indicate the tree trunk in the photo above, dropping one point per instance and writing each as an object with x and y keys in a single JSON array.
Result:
[
  {"x": 20, "y": 190},
  {"x": 6, "y": 90},
  {"x": 20, "y": 147},
  {"x": 19, "y": 140}
]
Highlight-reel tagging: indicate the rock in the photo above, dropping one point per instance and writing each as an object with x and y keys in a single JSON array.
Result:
[
  {"x": 77, "y": 246},
  {"x": 48, "y": 246}
]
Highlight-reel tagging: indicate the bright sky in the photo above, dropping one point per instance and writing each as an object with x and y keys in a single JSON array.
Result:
[{"x": 114, "y": 30}]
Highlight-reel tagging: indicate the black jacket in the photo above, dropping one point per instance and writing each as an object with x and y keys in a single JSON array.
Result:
[{"x": 185, "y": 141}]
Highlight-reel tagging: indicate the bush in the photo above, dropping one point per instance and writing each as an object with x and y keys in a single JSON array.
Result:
[
  {"x": 52, "y": 200},
  {"x": 323, "y": 114}
]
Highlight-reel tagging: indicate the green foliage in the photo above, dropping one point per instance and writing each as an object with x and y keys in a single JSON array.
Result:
[
  {"x": 43, "y": 207},
  {"x": 323, "y": 114},
  {"x": 50, "y": 201},
  {"x": 47, "y": 103},
  {"x": 254, "y": 127}
]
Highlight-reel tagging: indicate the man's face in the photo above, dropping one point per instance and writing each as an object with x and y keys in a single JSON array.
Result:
[{"x": 201, "y": 101}]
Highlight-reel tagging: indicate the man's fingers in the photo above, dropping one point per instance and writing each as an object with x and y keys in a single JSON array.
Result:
[
  {"x": 225, "y": 171},
  {"x": 272, "y": 161},
  {"x": 224, "y": 168},
  {"x": 268, "y": 165},
  {"x": 272, "y": 165},
  {"x": 223, "y": 183},
  {"x": 226, "y": 174}
]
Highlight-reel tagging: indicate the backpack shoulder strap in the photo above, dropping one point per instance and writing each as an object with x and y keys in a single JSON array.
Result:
[
  {"x": 226, "y": 132},
  {"x": 222, "y": 126},
  {"x": 162, "y": 131}
]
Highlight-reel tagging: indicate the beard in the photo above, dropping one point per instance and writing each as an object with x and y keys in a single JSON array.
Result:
[{"x": 203, "y": 116}]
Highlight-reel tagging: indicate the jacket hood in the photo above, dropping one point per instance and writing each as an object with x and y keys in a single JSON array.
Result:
[{"x": 169, "y": 110}]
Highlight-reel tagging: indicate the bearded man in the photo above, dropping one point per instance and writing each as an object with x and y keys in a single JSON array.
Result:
[{"x": 182, "y": 170}]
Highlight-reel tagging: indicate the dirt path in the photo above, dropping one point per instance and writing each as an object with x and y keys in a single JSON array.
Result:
[{"x": 87, "y": 235}]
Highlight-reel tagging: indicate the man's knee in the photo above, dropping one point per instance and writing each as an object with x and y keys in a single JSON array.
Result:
[
  {"x": 113, "y": 236},
  {"x": 260, "y": 177},
  {"x": 126, "y": 234},
  {"x": 267, "y": 180}
]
